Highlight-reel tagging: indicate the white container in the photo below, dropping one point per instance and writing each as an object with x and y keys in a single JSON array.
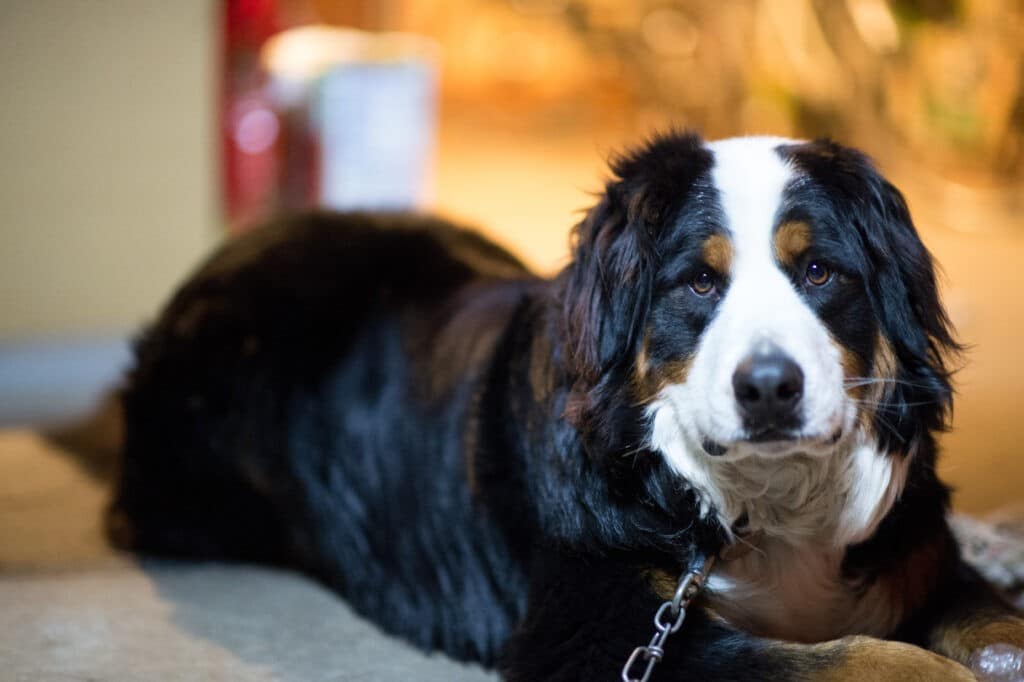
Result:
[{"x": 377, "y": 123}]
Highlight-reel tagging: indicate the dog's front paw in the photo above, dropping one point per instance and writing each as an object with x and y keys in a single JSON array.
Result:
[
  {"x": 865, "y": 659},
  {"x": 998, "y": 663}
]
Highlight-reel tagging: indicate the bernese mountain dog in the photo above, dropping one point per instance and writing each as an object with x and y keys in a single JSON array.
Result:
[{"x": 746, "y": 358}]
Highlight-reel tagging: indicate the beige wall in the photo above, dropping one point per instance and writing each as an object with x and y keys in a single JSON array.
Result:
[{"x": 107, "y": 159}]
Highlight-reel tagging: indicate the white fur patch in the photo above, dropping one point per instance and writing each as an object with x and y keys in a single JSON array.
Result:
[
  {"x": 829, "y": 500},
  {"x": 790, "y": 585}
]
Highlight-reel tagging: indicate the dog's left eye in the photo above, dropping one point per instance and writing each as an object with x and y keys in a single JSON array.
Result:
[
  {"x": 703, "y": 284},
  {"x": 818, "y": 273}
]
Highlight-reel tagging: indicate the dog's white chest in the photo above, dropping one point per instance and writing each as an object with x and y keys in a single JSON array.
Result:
[{"x": 796, "y": 593}]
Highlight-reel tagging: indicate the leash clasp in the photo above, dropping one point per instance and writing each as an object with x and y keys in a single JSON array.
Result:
[{"x": 690, "y": 585}]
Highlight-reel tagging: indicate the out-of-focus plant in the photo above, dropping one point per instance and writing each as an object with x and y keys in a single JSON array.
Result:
[{"x": 943, "y": 79}]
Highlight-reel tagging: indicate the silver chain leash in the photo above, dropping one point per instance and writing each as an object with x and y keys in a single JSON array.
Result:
[{"x": 690, "y": 585}]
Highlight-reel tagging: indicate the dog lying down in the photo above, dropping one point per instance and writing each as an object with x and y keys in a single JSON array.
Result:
[{"x": 746, "y": 358}]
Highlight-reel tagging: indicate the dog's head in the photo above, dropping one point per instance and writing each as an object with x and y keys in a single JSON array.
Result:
[{"x": 754, "y": 297}]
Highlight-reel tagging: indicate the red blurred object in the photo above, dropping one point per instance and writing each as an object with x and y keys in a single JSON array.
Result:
[
  {"x": 316, "y": 109},
  {"x": 268, "y": 153},
  {"x": 249, "y": 173}
]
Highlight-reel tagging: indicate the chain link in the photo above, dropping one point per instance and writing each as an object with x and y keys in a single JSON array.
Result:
[{"x": 690, "y": 585}]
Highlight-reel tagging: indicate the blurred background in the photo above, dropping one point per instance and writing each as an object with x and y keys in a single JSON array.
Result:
[{"x": 136, "y": 134}]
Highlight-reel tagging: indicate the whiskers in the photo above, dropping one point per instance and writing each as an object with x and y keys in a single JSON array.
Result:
[
  {"x": 881, "y": 409},
  {"x": 857, "y": 382},
  {"x": 886, "y": 404}
]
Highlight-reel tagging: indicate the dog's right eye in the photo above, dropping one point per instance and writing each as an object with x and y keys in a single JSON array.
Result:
[{"x": 703, "y": 284}]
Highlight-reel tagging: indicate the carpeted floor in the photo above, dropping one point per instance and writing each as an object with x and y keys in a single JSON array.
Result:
[{"x": 75, "y": 610}]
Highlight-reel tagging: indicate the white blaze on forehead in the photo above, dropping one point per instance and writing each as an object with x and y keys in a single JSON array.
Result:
[
  {"x": 761, "y": 305},
  {"x": 750, "y": 177}
]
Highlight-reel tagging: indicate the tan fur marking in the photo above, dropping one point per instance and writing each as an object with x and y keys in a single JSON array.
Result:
[
  {"x": 962, "y": 639},
  {"x": 540, "y": 374},
  {"x": 718, "y": 253},
  {"x": 854, "y": 369},
  {"x": 792, "y": 239},
  {"x": 642, "y": 361},
  {"x": 674, "y": 372},
  {"x": 883, "y": 366},
  {"x": 864, "y": 659},
  {"x": 853, "y": 364},
  {"x": 649, "y": 379},
  {"x": 662, "y": 583}
]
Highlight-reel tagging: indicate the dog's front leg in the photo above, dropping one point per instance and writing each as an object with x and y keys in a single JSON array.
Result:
[
  {"x": 585, "y": 617},
  {"x": 967, "y": 621}
]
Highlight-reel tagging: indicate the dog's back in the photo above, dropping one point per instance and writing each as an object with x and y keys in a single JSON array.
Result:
[{"x": 285, "y": 408}]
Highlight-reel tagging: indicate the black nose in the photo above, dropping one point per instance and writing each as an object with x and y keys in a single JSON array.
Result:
[{"x": 768, "y": 387}]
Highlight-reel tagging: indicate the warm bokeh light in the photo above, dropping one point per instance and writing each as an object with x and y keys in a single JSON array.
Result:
[
  {"x": 123, "y": 171},
  {"x": 536, "y": 94}
]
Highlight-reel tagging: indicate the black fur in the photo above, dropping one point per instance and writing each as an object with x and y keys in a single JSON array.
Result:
[
  {"x": 307, "y": 398},
  {"x": 401, "y": 409}
]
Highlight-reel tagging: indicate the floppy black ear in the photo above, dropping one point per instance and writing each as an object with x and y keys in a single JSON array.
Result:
[
  {"x": 606, "y": 290},
  {"x": 607, "y": 287},
  {"x": 906, "y": 298},
  {"x": 605, "y": 298}
]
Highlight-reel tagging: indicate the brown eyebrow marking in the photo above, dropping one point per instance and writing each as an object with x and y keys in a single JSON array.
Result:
[
  {"x": 792, "y": 239},
  {"x": 718, "y": 253}
]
